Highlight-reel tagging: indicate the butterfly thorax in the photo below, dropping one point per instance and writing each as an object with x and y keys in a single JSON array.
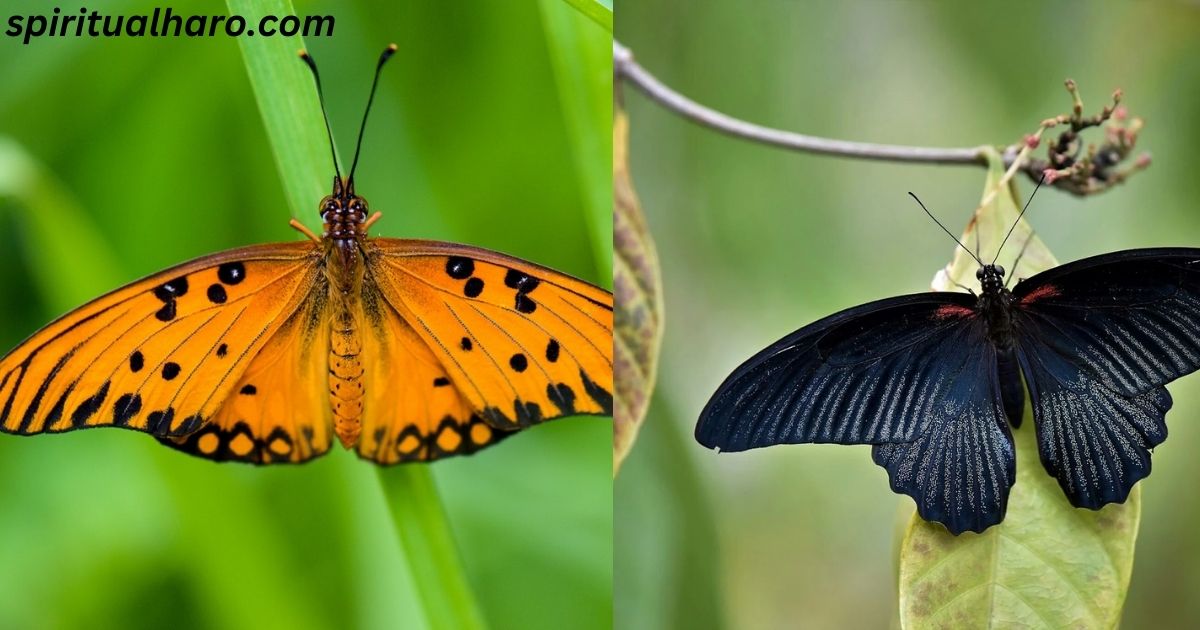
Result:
[
  {"x": 995, "y": 304},
  {"x": 344, "y": 215}
]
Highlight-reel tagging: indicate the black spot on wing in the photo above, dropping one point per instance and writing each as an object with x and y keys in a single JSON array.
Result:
[
  {"x": 126, "y": 407},
  {"x": 167, "y": 312},
  {"x": 523, "y": 304},
  {"x": 562, "y": 396},
  {"x": 518, "y": 362},
  {"x": 528, "y": 413},
  {"x": 552, "y": 351},
  {"x": 189, "y": 425},
  {"x": 465, "y": 344},
  {"x": 602, "y": 396},
  {"x": 159, "y": 422},
  {"x": 169, "y": 291},
  {"x": 216, "y": 294},
  {"x": 248, "y": 390},
  {"x": 90, "y": 406},
  {"x": 522, "y": 282},
  {"x": 497, "y": 418},
  {"x": 136, "y": 361},
  {"x": 441, "y": 381},
  {"x": 231, "y": 273},
  {"x": 170, "y": 370},
  {"x": 473, "y": 287},
  {"x": 222, "y": 350},
  {"x": 460, "y": 268}
]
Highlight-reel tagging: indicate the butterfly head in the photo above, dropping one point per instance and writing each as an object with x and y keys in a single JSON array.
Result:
[
  {"x": 344, "y": 212},
  {"x": 991, "y": 278}
]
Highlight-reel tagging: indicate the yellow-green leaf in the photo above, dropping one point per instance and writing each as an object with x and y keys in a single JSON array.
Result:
[
  {"x": 1047, "y": 565},
  {"x": 638, "y": 292}
]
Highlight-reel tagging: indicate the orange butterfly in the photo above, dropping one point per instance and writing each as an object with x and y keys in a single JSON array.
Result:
[{"x": 406, "y": 350}]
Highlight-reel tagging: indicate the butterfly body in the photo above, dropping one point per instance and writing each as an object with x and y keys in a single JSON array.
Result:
[
  {"x": 933, "y": 381},
  {"x": 344, "y": 215}
]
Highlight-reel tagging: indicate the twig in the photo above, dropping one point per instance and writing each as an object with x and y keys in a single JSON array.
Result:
[{"x": 625, "y": 68}]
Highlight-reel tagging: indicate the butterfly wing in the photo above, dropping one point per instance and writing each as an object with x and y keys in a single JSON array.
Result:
[
  {"x": 476, "y": 344},
  {"x": 160, "y": 355},
  {"x": 914, "y": 375},
  {"x": 1098, "y": 338},
  {"x": 278, "y": 410}
]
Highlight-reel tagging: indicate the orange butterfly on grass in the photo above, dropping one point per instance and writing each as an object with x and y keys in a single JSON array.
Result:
[{"x": 406, "y": 350}]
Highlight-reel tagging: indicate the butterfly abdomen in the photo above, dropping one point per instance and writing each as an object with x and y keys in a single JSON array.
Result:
[
  {"x": 346, "y": 390},
  {"x": 346, "y": 386}
]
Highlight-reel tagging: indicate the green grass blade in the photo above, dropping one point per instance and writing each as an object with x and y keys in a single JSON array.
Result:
[
  {"x": 598, "y": 11},
  {"x": 292, "y": 116},
  {"x": 581, "y": 56},
  {"x": 288, "y": 101},
  {"x": 429, "y": 545}
]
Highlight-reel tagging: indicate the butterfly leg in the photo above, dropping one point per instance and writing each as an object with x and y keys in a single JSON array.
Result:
[{"x": 303, "y": 229}]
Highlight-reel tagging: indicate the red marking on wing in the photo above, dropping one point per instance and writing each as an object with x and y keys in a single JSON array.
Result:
[
  {"x": 1041, "y": 293},
  {"x": 947, "y": 311}
]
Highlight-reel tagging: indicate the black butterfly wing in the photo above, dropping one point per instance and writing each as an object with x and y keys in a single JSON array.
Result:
[
  {"x": 913, "y": 375},
  {"x": 1097, "y": 340}
]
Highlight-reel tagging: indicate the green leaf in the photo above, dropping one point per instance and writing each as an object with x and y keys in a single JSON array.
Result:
[
  {"x": 596, "y": 10},
  {"x": 581, "y": 57},
  {"x": 1048, "y": 564},
  {"x": 288, "y": 101},
  {"x": 638, "y": 289},
  {"x": 292, "y": 115},
  {"x": 430, "y": 548}
]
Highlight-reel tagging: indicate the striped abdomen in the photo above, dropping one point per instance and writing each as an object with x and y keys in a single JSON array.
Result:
[{"x": 346, "y": 387}]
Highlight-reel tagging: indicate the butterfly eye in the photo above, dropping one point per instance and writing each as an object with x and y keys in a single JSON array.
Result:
[
  {"x": 979, "y": 274},
  {"x": 1000, "y": 270}
]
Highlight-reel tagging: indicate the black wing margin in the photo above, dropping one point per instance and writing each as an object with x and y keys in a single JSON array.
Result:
[
  {"x": 914, "y": 375},
  {"x": 1097, "y": 340}
]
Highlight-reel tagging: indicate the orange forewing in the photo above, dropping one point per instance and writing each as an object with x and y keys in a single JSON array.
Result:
[
  {"x": 159, "y": 355},
  {"x": 520, "y": 343}
]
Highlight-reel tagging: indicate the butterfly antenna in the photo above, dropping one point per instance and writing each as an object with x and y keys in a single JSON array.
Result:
[
  {"x": 312, "y": 65},
  {"x": 387, "y": 54},
  {"x": 939, "y": 223},
  {"x": 1014, "y": 225},
  {"x": 977, "y": 254},
  {"x": 1017, "y": 261}
]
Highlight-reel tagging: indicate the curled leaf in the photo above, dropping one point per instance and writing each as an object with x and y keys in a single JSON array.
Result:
[
  {"x": 637, "y": 288},
  {"x": 1048, "y": 564}
]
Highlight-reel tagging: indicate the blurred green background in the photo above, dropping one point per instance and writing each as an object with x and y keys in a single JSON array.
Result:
[
  {"x": 756, "y": 242},
  {"x": 119, "y": 157}
]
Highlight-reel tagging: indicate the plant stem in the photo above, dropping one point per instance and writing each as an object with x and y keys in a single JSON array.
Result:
[
  {"x": 624, "y": 67},
  {"x": 292, "y": 116},
  {"x": 428, "y": 543}
]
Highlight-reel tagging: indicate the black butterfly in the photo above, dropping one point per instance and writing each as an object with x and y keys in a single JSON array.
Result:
[{"x": 928, "y": 380}]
